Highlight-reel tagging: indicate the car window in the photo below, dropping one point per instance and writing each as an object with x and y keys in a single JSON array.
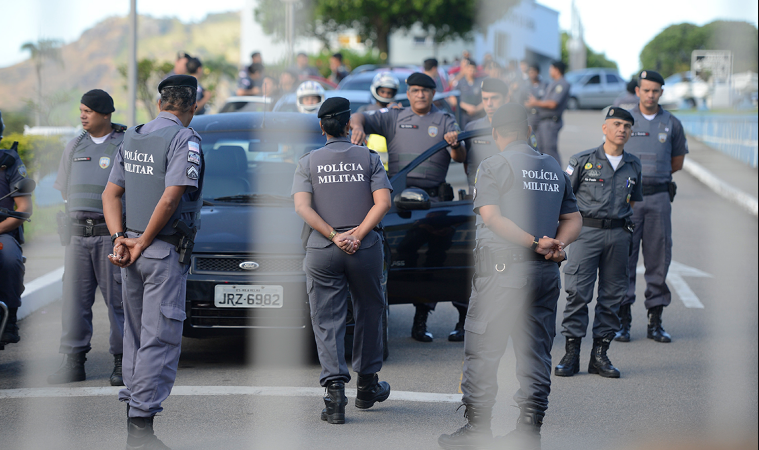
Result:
[
  {"x": 253, "y": 163},
  {"x": 595, "y": 79},
  {"x": 611, "y": 78},
  {"x": 364, "y": 83}
]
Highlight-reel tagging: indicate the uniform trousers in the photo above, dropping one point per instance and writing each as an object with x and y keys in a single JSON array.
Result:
[
  {"x": 605, "y": 252},
  {"x": 653, "y": 233},
  {"x": 331, "y": 274},
  {"x": 520, "y": 303},
  {"x": 87, "y": 267},
  {"x": 11, "y": 271},
  {"x": 547, "y": 135},
  {"x": 154, "y": 289}
]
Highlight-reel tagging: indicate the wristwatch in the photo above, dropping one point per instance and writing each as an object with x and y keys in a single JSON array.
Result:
[
  {"x": 535, "y": 242},
  {"x": 332, "y": 235},
  {"x": 116, "y": 236}
]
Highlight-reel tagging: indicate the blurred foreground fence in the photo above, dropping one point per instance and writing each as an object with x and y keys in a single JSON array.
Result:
[{"x": 734, "y": 135}]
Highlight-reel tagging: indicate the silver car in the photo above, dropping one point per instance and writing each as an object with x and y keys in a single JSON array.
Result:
[{"x": 594, "y": 87}]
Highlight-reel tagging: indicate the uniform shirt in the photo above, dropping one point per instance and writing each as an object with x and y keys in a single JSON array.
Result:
[
  {"x": 600, "y": 190},
  {"x": 243, "y": 82},
  {"x": 558, "y": 91},
  {"x": 64, "y": 168},
  {"x": 410, "y": 133},
  {"x": 470, "y": 92},
  {"x": 11, "y": 174},
  {"x": 627, "y": 101},
  {"x": 183, "y": 165},
  {"x": 478, "y": 148},
  {"x": 495, "y": 177},
  {"x": 370, "y": 107},
  {"x": 537, "y": 90},
  {"x": 662, "y": 136}
]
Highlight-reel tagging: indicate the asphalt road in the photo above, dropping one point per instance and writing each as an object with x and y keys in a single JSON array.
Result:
[{"x": 700, "y": 389}]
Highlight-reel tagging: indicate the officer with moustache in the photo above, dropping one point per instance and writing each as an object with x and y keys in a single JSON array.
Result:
[
  {"x": 159, "y": 168},
  {"x": 607, "y": 183},
  {"x": 83, "y": 173},
  {"x": 659, "y": 141},
  {"x": 526, "y": 215},
  {"x": 344, "y": 253},
  {"x": 409, "y": 132}
]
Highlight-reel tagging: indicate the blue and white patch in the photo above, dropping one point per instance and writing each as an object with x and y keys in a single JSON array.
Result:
[
  {"x": 104, "y": 162},
  {"x": 383, "y": 110},
  {"x": 192, "y": 173},
  {"x": 194, "y": 146},
  {"x": 22, "y": 170},
  {"x": 194, "y": 158},
  {"x": 570, "y": 170}
]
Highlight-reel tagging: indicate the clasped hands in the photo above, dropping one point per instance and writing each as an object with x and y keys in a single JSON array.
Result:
[
  {"x": 347, "y": 241},
  {"x": 552, "y": 249},
  {"x": 126, "y": 251}
]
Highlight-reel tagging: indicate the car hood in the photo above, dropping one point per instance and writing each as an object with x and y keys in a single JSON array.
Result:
[{"x": 245, "y": 229}]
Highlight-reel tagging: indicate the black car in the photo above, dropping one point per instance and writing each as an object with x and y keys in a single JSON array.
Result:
[{"x": 247, "y": 264}]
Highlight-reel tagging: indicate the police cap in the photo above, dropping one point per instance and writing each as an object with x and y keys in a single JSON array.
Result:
[
  {"x": 650, "y": 75},
  {"x": 421, "y": 79},
  {"x": 494, "y": 85},
  {"x": 619, "y": 113},
  {"x": 508, "y": 114},
  {"x": 334, "y": 106},
  {"x": 178, "y": 81},
  {"x": 99, "y": 101}
]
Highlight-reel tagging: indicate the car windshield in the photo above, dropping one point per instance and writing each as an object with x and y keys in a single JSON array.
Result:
[
  {"x": 253, "y": 166},
  {"x": 364, "y": 83},
  {"x": 573, "y": 77}
]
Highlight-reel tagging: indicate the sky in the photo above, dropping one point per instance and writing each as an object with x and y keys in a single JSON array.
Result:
[{"x": 619, "y": 29}]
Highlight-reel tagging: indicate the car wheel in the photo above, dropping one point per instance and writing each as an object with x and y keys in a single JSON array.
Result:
[{"x": 573, "y": 104}]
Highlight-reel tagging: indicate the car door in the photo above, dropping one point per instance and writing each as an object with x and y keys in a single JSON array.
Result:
[
  {"x": 592, "y": 92},
  {"x": 614, "y": 87}
]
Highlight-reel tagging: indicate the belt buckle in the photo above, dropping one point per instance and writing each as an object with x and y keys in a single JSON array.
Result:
[
  {"x": 89, "y": 228},
  {"x": 607, "y": 223}
]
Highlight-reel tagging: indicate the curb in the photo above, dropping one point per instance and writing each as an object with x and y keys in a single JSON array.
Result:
[
  {"x": 723, "y": 189},
  {"x": 40, "y": 292}
]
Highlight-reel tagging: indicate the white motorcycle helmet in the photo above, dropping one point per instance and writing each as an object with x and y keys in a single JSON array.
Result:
[
  {"x": 384, "y": 80},
  {"x": 309, "y": 89}
]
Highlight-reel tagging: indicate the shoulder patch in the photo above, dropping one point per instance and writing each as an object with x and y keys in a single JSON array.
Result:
[
  {"x": 193, "y": 157},
  {"x": 573, "y": 161},
  {"x": 22, "y": 170},
  {"x": 192, "y": 173},
  {"x": 570, "y": 170},
  {"x": 193, "y": 146},
  {"x": 383, "y": 110}
]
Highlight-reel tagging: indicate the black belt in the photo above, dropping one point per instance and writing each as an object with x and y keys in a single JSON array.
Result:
[
  {"x": 553, "y": 118},
  {"x": 431, "y": 191},
  {"x": 512, "y": 255},
  {"x": 603, "y": 223},
  {"x": 172, "y": 239},
  {"x": 89, "y": 227},
  {"x": 651, "y": 189}
]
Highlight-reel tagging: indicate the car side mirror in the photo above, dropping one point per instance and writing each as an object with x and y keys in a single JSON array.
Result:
[{"x": 412, "y": 199}]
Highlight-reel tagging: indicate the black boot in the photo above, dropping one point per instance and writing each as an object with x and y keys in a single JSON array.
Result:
[
  {"x": 474, "y": 435},
  {"x": 570, "y": 363},
  {"x": 599, "y": 362},
  {"x": 655, "y": 330},
  {"x": 371, "y": 390},
  {"x": 526, "y": 436},
  {"x": 116, "y": 378},
  {"x": 419, "y": 328},
  {"x": 334, "y": 402},
  {"x": 10, "y": 335},
  {"x": 457, "y": 335},
  {"x": 72, "y": 370},
  {"x": 140, "y": 435},
  {"x": 625, "y": 318}
]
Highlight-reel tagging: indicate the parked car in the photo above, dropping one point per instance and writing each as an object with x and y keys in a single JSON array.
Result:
[
  {"x": 594, "y": 87},
  {"x": 683, "y": 91},
  {"x": 362, "y": 76},
  {"x": 242, "y": 103},
  {"x": 247, "y": 264}
]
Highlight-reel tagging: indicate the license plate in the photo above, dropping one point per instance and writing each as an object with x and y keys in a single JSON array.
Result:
[{"x": 248, "y": 296}]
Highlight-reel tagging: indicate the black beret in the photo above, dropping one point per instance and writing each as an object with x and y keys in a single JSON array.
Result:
[
  {"x": 178, "y": 81},
  {"x": 334, "y": 106},
  {"x": 619, "y": 113},
  {"x": 421, "y": 79},
  {"x": 99, "y": 101},
  {"x": 494, "y": 85},
  {"x": 508, "y": 114},
  {"x": 650, "y": 75}
]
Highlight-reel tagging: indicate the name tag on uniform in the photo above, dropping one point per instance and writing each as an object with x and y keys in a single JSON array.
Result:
[
  {"x": 82, "y": 158},
  {"x": 640, "y": 133},
  {"x": 480, "y": 141},
  {"x": 593, "y": 180},
  {"x": 408, "y": 126}
]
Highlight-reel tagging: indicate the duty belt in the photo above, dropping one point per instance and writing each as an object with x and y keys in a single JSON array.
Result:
[
  {"x": 89, "y": 227},
  {"x": 651, "y": 189},
  {"x": 553, "y": 118},
  {"x": 603, "y": 223}
]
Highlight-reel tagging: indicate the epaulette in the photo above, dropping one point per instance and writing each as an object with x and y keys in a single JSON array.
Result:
[{"x": 119, "y": 128}]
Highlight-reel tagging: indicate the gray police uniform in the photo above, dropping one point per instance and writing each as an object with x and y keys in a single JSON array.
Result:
[
  {"x": 471, "y": 94},
  {"x": 515, "y": 290},
  {"x": 537, "y": 90},
  {"x": 341, "y": 178},
  {"x": 12, "y": 170},
  {"x": 626, "y": 101},
  {"x": 82, "y": 176},
  {"x": 655, "y": 142},
  {"x": 369, "y": 107},
  {"x": 603, "y": 247},
  {"x": 478, "y": 149},
  {"x": 154, "y": 156},
  {"x": 550, "y": 121},
  {"x": 408, "y": 135}
]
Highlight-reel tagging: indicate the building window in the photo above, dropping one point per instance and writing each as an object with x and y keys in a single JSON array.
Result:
[
  {"x": 501, "y": 45},
  {"x": 421, "y": 41}
]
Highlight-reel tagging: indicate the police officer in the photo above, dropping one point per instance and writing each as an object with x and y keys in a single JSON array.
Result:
[
  {"x": 549, "y": 109},
  {"x": 342, "y": 192},
  {"x": 659, "y": 141},
  {"x": 159, "y": 168},
  {"x": 12, "y": 170},
  {"x": 83, "y": 173},
  {"x": 628, "y": 100},
  {"x": 495, "y": 94},
  {"x": 607, "y": 183},
  {"x": 526, "y": 215},
  {"x": 471, "y": 96},
  {"x": 409, "y": 132},
  {"x": 536, "y": 87}
]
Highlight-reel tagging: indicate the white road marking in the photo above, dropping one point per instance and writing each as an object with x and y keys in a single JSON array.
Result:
[
  {"x": 675, "y": 279},
  {"x": 41, "y": 291},
  {"x": 264, "y": 391},
  {"x": 744, "y": 200}
]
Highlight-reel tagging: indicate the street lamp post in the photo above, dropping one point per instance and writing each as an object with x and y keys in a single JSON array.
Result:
[
  {"x": 132, "y": 69},
  {"x": 290, "y": 28}
]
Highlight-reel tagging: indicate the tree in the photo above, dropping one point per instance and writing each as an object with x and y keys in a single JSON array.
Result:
[
  {"x": 377, "y": 19},
  {"x": 593, "y": 59},
  {"x": 149, "y": 73},
  {"x": 41, "y": 51},
  {"x": 738, "y": 37}
]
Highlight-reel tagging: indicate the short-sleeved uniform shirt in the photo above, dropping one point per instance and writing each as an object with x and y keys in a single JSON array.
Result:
[
  {"x": 558, "y": 91},
  {"x": 656, "y": 142},
  {"x": 478, "y": 148},
  {"x": 12, "y": 170},
  {"x": 183, "y": 160},
  {"x": 601, "y": 191},
  {"x": 244, "y": 81}
]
